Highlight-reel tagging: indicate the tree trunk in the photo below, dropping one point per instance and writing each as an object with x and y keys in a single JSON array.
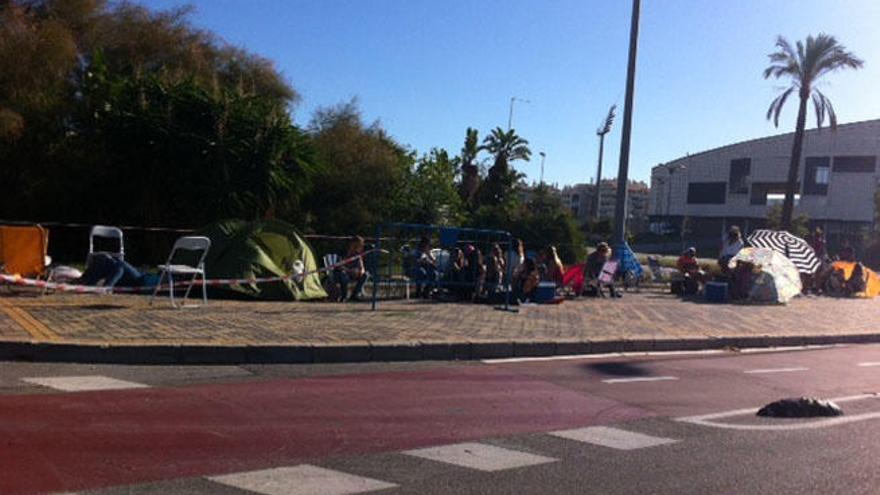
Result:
[{"x": 794, "y": 166}]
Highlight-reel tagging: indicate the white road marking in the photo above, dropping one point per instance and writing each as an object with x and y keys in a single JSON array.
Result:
[
  {"x": 301, "y": 480},
  {"x": 707, "y": 419},
  {"x": 613, "y": 437},
  {"x": 83, "y": 383},
  {"x": 875, "y": 363},
  {"x": 776, "y": 370},
  {"x": 659, "y": 354},
  {"x": 640, "y": 379},
  {"x": 480, "y": 456}
]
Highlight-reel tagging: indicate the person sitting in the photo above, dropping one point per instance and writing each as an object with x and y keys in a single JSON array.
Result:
[
  {"x": 476, "y": 271},
  {"x": 730, "y": 246},
  {"x": 555, "y": 269},
  {"x": 456, "y": 275},
  {"x": 353, "y": 270},
  {"x": 690, "y": 269},
  {"x": 495, "y": 269},
  {"x": 526, "y": 281},
  {"x": 817, "y": 242},
  {"x": 108, "y": 270},
  {"x": 593, "y": 270},
  {"x": 425, "y": 273},
  {"x": 847, "y": 253}
]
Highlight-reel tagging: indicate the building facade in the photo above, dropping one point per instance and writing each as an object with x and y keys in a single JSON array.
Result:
[
  {"x": 580, "y": 198},
  {"x": 739, "y": 183}
]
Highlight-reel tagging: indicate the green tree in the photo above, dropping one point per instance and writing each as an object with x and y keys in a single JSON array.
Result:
[
  {"x": 432, "y": 193},
  {"x": 470, "y": 172},
  {"x": 804, "y": 65},
  {"x": 506, "y": 147},
  {"x": 365, "y": 173}
]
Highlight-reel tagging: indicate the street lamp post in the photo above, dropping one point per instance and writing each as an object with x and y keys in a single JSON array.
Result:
[
  {"x": 543, "y": 156},
  {"x": 623, "y": 168},
  {"x": 601, "y": 132},
  {"x": 510, "y": 113}
]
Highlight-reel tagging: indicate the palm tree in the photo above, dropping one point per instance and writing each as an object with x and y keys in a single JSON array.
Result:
[
  {"x": 507, "y": 147},
  {"x": 804, "y": 65},
  {"x": 470, "y": 173}
]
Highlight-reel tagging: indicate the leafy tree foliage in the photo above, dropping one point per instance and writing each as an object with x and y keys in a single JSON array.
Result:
[
  {"x": 115, "y": 113},
  {"x": 364, "y": 176},
  {"x": 505, "y": 147}
]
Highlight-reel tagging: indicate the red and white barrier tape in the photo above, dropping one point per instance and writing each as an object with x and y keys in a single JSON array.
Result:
[{"x": 217, "y": 282}]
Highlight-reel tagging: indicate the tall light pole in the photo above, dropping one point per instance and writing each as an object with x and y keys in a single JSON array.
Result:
[
  {"x": 623, "y": 168},
  {"x": 601, "y": 132},
  {"x": 510, "y": 113},
  {"x": 543, "y": 156}
]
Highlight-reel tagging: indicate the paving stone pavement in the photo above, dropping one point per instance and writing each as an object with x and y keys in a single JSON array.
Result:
[{"x": 129, "y": 319}]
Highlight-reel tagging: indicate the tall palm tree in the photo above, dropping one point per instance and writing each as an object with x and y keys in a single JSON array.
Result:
[
  {"x": 803, "y": 65},
  {"x": 470, "y": 173},
  {"x": 507, "y": 147}
]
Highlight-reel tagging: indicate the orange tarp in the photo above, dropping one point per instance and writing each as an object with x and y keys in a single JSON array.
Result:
[
  {"x": 872, "y": 288},
  {"x": 23, "y": 249}
]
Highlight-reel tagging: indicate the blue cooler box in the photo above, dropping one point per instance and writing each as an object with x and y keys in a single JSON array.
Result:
[
  {"x": 546, "y": 291},
  {"x": 716, "y": 292}
]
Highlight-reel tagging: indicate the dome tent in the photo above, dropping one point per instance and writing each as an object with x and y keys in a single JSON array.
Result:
[{"x": 265, "y": 248}]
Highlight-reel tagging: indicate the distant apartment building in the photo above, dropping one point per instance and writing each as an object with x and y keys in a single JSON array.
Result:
[
  {"x": 580, "y": 199},
  {"x": 738, "y": 183}
]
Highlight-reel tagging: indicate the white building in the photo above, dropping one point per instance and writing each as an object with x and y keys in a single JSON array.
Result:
[{"x": 736, "y": 184}]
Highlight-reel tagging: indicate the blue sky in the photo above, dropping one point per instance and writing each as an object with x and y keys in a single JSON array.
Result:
[{"x": 429, "y": 69}]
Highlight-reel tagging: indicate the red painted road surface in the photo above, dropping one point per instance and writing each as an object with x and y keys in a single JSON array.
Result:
[{"x": 77, "y": 441}]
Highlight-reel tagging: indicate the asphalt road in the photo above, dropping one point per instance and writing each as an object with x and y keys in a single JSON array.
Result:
[{"x": 670, "y": 423}]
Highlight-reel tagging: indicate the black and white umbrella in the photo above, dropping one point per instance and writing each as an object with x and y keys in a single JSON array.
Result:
[{"x": 789, "y": 245}]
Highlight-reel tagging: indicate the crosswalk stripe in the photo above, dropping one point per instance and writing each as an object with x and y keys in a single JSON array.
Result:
[
  {"x": 304, "y": 479},
  {"x": 82, "y": 383},
  {"x": 612, "y": 437},
  {"x": 479, "y": 456}
]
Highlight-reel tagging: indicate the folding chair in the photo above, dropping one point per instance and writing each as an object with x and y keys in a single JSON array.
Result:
[
  {"x": 193, "y": 244},
  {"x": 107, "y": 232}
]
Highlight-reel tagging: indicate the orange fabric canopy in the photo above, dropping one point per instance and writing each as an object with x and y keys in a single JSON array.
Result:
[
  {"x": 872, "y": 287},
  {"x": 23, "y": 249}
]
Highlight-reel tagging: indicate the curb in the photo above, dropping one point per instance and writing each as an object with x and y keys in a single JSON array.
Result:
[{"x": 364, "y": 351}]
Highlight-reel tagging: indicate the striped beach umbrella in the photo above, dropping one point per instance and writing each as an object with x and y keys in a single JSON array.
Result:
[{"x": 789, "y": 245}]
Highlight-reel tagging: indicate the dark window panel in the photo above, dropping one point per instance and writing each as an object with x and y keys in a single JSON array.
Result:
[
  {"x": 855, "y": 164},
  {"x": 739, "y": 175},
  {"x": 816, "y": 174},
  {"x": 760, "y": 190},
  {"x": 707, "y": 193}
]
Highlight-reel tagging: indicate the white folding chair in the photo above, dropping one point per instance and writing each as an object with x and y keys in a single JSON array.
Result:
[
  {"x": 107, "y": 232},
  {"x": 194, "y": 271}
]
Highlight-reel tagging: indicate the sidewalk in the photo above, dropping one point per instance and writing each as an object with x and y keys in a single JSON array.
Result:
[{"x": 122, "y": 328}]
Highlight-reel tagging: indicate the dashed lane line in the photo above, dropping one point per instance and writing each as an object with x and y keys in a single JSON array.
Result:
[
  {"x": 479, "y": 456},
  {"x": 873, "y": 363},
  {"x": 614, "y": 438},
  {"x": 640, "y": 379},
  {"x": 83, "y": 383},
  {"x": 776, "y": 370},
  {"x": 301, "y": 480}
]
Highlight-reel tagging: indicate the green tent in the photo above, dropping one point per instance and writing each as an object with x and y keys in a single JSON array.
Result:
[{"x": 267, "y": 248}]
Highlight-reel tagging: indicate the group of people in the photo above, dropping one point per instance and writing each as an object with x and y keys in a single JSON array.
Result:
[{"x": 827, "y": 280}]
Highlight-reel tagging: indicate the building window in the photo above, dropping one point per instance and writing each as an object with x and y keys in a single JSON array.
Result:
[
  {"x": 739, "y": 175},
  {"x": 817, "y": 174},
  {"x": 764, "y": 193},
  {"x": 855, "y": 164},
  {"x": 707, "y": 193}
]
